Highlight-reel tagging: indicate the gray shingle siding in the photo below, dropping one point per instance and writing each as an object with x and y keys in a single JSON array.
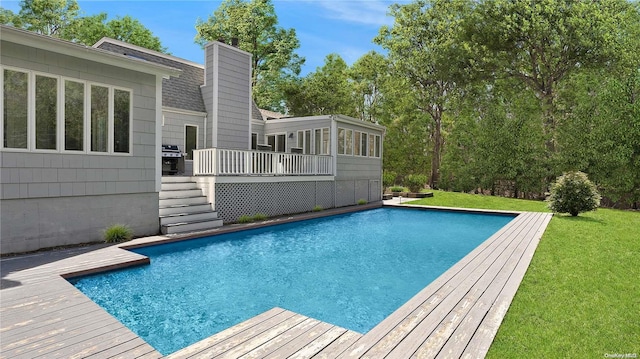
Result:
[{"x": 181, "y": 92}]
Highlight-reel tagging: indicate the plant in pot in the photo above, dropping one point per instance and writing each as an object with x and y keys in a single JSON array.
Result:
[{"x": 396, "y": 190}]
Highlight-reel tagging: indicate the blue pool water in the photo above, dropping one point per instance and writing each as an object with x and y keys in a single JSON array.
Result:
[{"x": 349, "y": 270}]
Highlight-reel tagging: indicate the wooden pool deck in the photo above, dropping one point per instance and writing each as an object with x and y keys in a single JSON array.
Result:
[{"x": 458, "y": 315}]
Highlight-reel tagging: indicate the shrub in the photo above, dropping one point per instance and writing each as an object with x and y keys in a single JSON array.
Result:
[
  {"x": 118, "y": 233},
  {"x": 259, "y": 217},
  {"x": 245, "y": 218},
  {"x": 397, "y": 189},
  {"x": 362, "y": 201},
  {"x": 415, "y": 182},
  {"x": 388, "y": 178},
  {"x": 573, "y": 193},
  {"x": 317, "y": 208}
]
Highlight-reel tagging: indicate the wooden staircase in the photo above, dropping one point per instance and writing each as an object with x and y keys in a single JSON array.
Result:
[{"x": 183, "y": 207}]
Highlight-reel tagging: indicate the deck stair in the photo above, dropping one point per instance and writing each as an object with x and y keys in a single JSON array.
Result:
[{"x": 184, "y": 208}]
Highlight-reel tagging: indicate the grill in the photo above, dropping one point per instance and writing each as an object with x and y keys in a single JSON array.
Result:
[{"x": 172, "y": 160}]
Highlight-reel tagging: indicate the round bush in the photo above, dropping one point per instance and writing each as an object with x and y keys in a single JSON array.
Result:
[
  {"x": 388, "y": 178},
  {"x": 573, "y": 193},
  {"x": 415, "y": 182}
]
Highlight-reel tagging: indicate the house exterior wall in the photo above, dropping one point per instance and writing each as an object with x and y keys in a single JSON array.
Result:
[
  {"x": 227, "y": 95},
  {"x": 52, "y": 198},
  {"x": 173, "y": 131}
]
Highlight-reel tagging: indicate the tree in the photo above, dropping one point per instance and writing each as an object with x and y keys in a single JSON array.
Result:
[
  {"x": 90, "y": 29},
  {"x": 541, "y": 42},
  {"x": 323, "y": 92},
  {"x": 368, "y": 75},
  {"x": 60, "y": 18},
  {"x": 426, "y": 48},
  {"x": 254, "y": 24}
]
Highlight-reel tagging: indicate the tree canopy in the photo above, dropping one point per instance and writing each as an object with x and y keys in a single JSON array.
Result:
[
  {"x": 255, "y": 24},
  {"x": 62, "y": 19}
]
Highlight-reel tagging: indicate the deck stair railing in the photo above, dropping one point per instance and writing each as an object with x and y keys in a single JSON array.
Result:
[{"x": 226, "y": 162}]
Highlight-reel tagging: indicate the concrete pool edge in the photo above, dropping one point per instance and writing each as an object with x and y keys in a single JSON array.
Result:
[{"x": 403, "y": 327}]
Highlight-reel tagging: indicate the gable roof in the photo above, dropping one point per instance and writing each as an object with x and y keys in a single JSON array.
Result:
[
  {"x": 52, "y": 44},
  {"x": 177, "y": 92}
]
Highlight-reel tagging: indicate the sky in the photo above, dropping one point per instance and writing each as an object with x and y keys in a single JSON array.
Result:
[{"x": 345, "y": 27}]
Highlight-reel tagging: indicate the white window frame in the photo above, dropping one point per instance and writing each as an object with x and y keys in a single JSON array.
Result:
[
  {"x": 63, "y": 138},
  {"x": 344, "y": 140},
  {"x": 275, "y": 141},
  {"x": 60, "y": 129}
]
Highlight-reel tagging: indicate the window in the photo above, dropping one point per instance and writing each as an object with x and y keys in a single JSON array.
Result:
[
  {"x": 341, "y": 135},
  {"x": 372, "y": 145},
  {"x": 307, "y": 142},
  {"x": 121, "y": 121},
  {"x": 190, "y": 140},
  {"x": 277, "y": 142},
  {"x": 378, "y": 144},
  {"x": 349, "y": 143},
  {"x": 52, "y": 113},
  {"x": 254, "y": 141},
  {"x": 15, "y": 105},
  {"x": 73, "y": 116},
  {"x": 326, "y": 143},
  {"x": 357, "y": 143},
  {"x": 363, "y": 144},
  {"x": 46, "y": 112},
  {"x": 318, "y": 141},
  {"x": 99, "y": 118}
]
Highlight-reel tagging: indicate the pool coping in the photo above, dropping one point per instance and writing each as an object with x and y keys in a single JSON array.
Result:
[{"x": 43, "y": 299}]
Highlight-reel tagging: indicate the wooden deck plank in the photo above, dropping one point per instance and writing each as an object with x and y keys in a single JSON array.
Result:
[
  {"x": 432, "y": 294},
  {"x": 485, "y": 333},
  {"x": 269, "y": 329},
  {"x": 452, "y": 334},
  {"x": 409, "y": 316},
  {"x": 339, "y": 345},
  {"x": 290, "y": 324},
  {"x": 300, "y": 341},
  {"x": 270, "y": 344},
  {"x": 319, "y": 343},
  {"x": 440, "y": 321},
  {"x": 213, "y": 340}
]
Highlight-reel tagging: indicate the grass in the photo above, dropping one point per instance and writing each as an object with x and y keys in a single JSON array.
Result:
[{"x": 580, "y": 297}]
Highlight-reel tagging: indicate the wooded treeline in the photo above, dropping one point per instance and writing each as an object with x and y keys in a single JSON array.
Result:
[{"x": 499, "y": 96}]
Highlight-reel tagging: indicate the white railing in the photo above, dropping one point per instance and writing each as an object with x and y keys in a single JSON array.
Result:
[{"x": 223, "y": 162}]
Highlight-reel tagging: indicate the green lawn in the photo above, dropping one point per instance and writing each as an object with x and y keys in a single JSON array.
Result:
[{"x": 580, "y": 297}]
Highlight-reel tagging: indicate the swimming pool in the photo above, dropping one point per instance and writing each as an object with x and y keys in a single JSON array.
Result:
[{"x": 349, "y": 270}]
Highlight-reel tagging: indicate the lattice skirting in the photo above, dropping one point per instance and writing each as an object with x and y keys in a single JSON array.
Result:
[{"x": 233, "y": 200}]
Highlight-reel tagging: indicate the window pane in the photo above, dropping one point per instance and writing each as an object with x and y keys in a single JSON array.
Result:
[
  {"x": 307, "y": 141},
  {"x": 121, "y": 120},
  {"x": 357, "y": 143},
  {"x": 325, "y": 141},
  {"x": 281, "y": 143},
  {"x": 341, "y": 141},
  {"x": 301, "y": 139},
  {"x": 318, "y": 141},
  {"x": 15, "y": 109},
  {"x": 378, "y": 138},
  {"x": 99, "y": 118},
  {"x": 363, "y": 150},
  {"x": 254, "y": 141},
  {"x": 372, "y": 145},
  {"x": 191, "y": 140},
  {"x": 73, "y": 116},
  {"x": 271, "y": 141},
  {"x": 46, "y": 112},
  {"x": 349, "y": 143}
]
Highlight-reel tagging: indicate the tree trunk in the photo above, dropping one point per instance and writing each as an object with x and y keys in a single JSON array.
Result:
[{"x": 437, "y": 149}]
